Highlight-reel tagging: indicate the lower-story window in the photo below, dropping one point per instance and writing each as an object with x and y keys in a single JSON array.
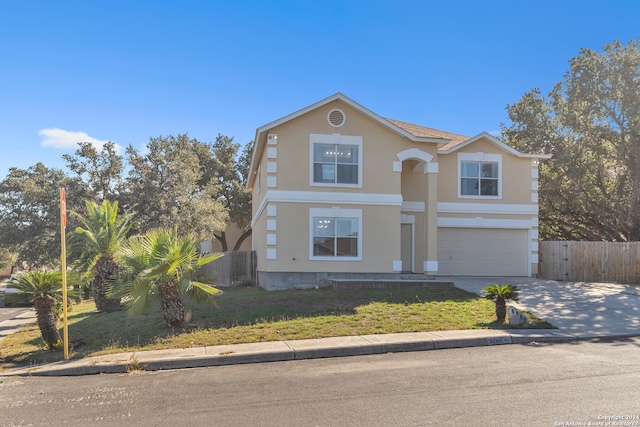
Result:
[{"x": 336, "y": 234}]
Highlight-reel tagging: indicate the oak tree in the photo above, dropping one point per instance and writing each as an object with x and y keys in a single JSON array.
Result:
[
  {"x": 165, "y": 187},
  {"x": 30, "y": 213},
  {"x": 590, "y": 123},
  {"x": 229, "y": 168},
  {"x": 101, "y": 171}
]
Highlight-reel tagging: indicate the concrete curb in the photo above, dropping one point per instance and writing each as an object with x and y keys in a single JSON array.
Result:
[
  {"x": 593, "y": 315},
  {"x": 279, "y": 351}
]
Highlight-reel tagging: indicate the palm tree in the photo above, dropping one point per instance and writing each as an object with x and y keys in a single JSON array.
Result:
[
  {"x": 45, "y": 291},
  {"x": 97, "y": 242},
  {"x": 160, "y": 265},
  {"x": 501, "y": 294}
]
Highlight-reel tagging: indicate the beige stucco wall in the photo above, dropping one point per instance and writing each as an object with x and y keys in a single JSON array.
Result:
[
  {"x": 516, "y": 176},
  {"x": 414, "y": 183},
  {"x": 258, "y": 239},
  {"x": 421, "y": 232},
  {"x": 380, "y": 147},
  {"x": 232, "y": 234},
  {"x": 516, "y": 189},
  {"x": 380, "y": 240},
  {"x": 381, "y": 224},
  {"x": 260, "y": 183},
  {"x": 415, "y": 188}
]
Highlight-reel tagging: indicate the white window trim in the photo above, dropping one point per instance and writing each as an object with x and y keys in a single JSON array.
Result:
[
  {"x": 486, "y": 208},
  {"x": 479, "y": 157},
  {"x": 272, "y": 167},
  {"x": 430, "y": 266},
  {"x": 335, "y": 212},
  {"x": 481, "y": 222},
  {"x": 336, "y": 138},
  {"x": 326, "y": 197},
  {"x": 272, "y": 239}
]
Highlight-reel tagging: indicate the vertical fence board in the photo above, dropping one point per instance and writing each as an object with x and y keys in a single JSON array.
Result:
[
  {"x": 590, "y": 261},
  {"x": 564, "y": 266},
  {"x": 552, "y": 266},
  {"x": 235, "y": 268}
]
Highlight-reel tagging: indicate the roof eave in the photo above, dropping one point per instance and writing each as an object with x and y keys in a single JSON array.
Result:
[
  {"x": 260, "y": 140},
  {"x": 252, "y": 173},
  {"x": 499, "y": 143},
  {"x": 441, "y": 141}
]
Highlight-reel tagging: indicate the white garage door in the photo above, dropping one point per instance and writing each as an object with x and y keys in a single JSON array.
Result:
[{"x": 483, "y": 252}]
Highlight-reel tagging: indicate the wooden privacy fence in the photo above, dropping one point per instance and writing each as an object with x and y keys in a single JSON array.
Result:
[
  {"x": 590, "y": 261},
  {"x": 237, "y": 268}
]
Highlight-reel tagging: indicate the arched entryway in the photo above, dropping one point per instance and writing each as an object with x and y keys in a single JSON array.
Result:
[{"x": 418, "y": 226}]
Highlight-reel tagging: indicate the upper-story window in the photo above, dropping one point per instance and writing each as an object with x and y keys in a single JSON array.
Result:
[
  {"x": 480, "y": 175},
  {"x": 336, "y": 160},
  {"x": 335, "y": 163}
]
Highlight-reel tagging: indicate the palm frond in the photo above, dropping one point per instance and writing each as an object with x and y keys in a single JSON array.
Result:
[
  {"x": 139, "y": 300},
  {"x": 101, "y": 234},
  {"x": 208, "y": 258},
  {"x": 201, "y": 293},
  {"x": 160, "y": 257},
  {"x": 32, "y": 285},
  {"x": 505, "y": 292}
]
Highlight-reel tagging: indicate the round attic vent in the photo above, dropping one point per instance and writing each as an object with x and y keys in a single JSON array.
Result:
[{"x": 336, "y": 118}]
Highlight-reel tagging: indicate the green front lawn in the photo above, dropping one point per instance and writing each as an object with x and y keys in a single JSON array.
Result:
[{"x": 253, "y": 315}]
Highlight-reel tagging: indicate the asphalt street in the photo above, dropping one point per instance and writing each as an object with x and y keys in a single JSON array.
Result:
[{"x": 536, "y": 384}]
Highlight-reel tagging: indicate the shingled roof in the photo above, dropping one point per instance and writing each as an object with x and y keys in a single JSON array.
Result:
[{"x": 425, "y": 132}]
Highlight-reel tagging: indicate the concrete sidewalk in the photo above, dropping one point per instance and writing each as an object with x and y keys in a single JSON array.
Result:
[
  {"x": 23, "y": 318},
  {"x": 13, "y": 318},
  {"x": 278, "y": 351},
  {"x": 578, "y": 310}
]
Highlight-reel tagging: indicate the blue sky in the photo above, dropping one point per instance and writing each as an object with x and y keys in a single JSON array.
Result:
[{"x": 125, "y": 71}]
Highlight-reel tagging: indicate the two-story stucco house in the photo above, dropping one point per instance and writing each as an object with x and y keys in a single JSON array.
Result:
[{"x": 339, "y": 191}]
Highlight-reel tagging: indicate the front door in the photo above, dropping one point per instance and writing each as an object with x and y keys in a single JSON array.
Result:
[{"x": 406, "y": 247}]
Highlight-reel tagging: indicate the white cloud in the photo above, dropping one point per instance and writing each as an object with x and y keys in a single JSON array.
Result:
[{"x": 64, "y": 139}]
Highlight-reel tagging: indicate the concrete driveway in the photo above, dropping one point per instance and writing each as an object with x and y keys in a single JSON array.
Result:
[{"x": 585, "y": 310}]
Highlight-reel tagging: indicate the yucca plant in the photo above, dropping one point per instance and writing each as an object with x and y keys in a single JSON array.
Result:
[
  {"x": 501, "y": 294},
  {"x": 45, "y": 291},
  {"x": 162, "y": 266}
]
